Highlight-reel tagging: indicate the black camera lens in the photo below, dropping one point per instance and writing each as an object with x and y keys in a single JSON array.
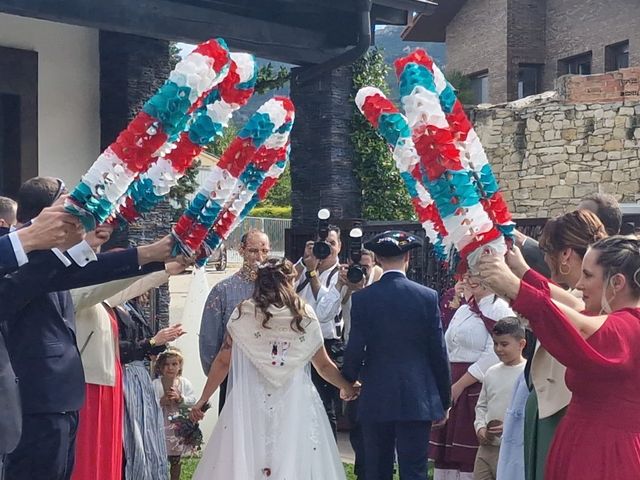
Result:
[
  {"x": 355, "y": 273},
  {"x": 321, "y": 250}
]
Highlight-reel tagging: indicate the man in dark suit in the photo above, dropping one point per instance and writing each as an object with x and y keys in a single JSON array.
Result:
[
  {"x": 52, "y": 229},
  {"x": 397, "y": 350},
  {"x": 41, "y": 341}
]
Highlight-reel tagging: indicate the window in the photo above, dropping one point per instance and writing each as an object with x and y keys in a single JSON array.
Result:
[
  {"x": 616, "y": 56},
  {"x": 480, "y": 87},
  {"x": 578, "y": 65},
  {"x": 529, "y": 80}
]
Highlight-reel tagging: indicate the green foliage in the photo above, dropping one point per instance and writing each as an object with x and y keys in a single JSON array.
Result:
[
  {"x": 280, "y": 194},
  {"x": 384, "y": 196},
  {"x": 186, "y": 186},
  {"x": 268, "y": 79},
  {"x": 270, "y": 211},
  {"x": 462, "y": 84},
  {"x": 218, "y": 146},
  {"x": 174, "y": 55}
]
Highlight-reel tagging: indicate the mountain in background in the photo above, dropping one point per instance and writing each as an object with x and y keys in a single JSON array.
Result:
[{"x": 386, "y": 38}]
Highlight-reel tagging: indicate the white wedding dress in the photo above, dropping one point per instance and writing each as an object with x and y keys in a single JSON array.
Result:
[{"x": 268, "y": 432}]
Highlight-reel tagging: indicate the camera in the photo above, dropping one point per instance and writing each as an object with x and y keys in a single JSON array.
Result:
[
  {"x": 356, "y": 272},
  {"x": 321, "y": 249}
]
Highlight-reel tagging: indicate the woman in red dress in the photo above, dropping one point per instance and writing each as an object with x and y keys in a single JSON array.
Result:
[{"x": 600, "y": 435}]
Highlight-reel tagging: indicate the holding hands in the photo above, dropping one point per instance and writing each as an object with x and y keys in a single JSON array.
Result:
[{"x": 350, "y": 392}]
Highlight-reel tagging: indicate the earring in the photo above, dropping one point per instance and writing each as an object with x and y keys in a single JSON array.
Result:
[{"x": 568, "y": 269}]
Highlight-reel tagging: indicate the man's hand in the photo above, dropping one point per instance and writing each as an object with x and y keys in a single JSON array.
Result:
[
  {"x": 53, "y": 228},
  {"x": 159, "y": 251},
  {"x": 175, "y": 267},
  {"x": 311, "y": 263},
  {"x": 442, "y": 422},
  {"x": 343, "y": 280},
  {"x": 483, "y": 437}
]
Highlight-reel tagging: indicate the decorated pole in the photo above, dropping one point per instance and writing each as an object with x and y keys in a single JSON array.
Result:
[
  {"x": 161, "y": 120},
  {"x": 207, "y": 123},
  {"x": 238, "y": 175}
]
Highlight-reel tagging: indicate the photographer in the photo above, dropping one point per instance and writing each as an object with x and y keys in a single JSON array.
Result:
[
  {"x": 318, "y": 277},
  {"x": 336, "y": 300}
]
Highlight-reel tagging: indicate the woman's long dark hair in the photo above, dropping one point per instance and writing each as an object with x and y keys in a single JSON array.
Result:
[{"x": 274, "y": 286}]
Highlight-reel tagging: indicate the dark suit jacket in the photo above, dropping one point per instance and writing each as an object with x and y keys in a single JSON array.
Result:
[
  {"x": 396, "y": 348},
  {"x": 41, "y": 325},
  {"x": 535, "y": 257},
  {"x": 8, "y": 262}
]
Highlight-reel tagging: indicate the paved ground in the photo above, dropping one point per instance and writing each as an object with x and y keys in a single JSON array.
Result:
[{"x": 179, "y": 287}]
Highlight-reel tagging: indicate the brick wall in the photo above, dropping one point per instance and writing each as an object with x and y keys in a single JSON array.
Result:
[
  {"x": 547, "y": 155},
  {"x": 577, "y": 26},
  {"x": 622, "y": 85},
  {"x": 477, "y": 41}
]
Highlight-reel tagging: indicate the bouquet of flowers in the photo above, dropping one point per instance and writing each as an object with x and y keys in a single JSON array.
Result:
[{"x": 186, "y": 431}]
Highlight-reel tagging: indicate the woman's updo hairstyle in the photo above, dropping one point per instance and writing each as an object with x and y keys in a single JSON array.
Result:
[
  {"x": 576, "y": 230},
  {"x": 620, "y": 254},
  {"x": 274, "y": 286}
]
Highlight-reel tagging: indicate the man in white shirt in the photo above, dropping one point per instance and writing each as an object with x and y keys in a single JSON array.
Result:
[{"x": 318, "y": 277}]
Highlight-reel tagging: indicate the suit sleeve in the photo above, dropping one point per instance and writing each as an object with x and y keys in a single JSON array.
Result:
[
  {"x": 534, "y": 256},
  {"x": 8, "y": 258},
  {"x": 355, "y": 354},
  {"x": 212, "y": 328},
  {"x": 437, "y": 353}
]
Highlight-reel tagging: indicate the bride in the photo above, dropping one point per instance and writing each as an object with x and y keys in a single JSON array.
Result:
[{"x": 273, "y": 424}]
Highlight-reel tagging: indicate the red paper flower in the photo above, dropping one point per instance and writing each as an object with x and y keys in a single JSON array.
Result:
[
  {"x": 267, "y": 185},
  {"x": 183, "y": 155},
  {"x": 266, "y": 157},
  {"x": 376, "y": 105},
  {"x": 237, "y": 156},
  {"x": 215, "y": 51},
  {"x": 418, "y": 56},
  {"x": 128, "y": 210},
  {"x": 497, "y": 208}
]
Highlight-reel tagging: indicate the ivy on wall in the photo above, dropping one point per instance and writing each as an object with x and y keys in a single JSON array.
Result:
[{"x": 383, "y": 193}]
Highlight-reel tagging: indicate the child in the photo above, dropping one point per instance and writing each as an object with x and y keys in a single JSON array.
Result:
[
  {"x": 172, "y": 391},
  {"x": 497, "y": 387}
]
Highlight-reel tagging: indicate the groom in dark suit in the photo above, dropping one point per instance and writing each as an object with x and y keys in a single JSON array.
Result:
[{"x": 397, "y": 350}]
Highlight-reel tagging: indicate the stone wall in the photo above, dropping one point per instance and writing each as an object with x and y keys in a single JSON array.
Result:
[{"x": 548, "y": 154}]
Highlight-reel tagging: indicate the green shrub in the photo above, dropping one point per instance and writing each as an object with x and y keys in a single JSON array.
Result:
[{"x": 270, "y": 211}]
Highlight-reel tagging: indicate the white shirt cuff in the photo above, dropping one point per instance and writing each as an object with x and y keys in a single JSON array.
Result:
[
  {"x": 82, "y": 253},
  {"x": 65, "y": 261},
  {"x": 21, "y": 257}
]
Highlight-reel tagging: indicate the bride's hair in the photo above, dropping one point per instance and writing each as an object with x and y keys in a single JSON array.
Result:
[{"x": 274, "y": 286}]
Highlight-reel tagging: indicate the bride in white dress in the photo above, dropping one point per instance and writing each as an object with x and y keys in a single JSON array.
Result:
[{"x": 273, "y": 424}]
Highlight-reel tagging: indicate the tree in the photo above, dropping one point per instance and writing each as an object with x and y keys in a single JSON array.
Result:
[
  {"x": 383, "y": 193},
  {"x": 462, "y": 84}
]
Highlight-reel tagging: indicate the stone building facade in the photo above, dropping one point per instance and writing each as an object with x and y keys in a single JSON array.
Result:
[
  {"x": 548, "y": 152},
  {"x": 520, "y": 47}
]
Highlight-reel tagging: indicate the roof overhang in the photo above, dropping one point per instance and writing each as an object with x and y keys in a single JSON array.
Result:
[
  {"x": 301, "y": 32},
  {"x": 432, "y": 26}
]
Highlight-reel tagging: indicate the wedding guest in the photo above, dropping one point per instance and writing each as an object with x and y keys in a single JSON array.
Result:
[
  {"x": 145, "y": 452},
  {"x": 470, "y": 346},
  {"x": 8, "y": 211},
  {"x": 599, "y": 435},
  {"x": 497, "y": 386},
  {"x": 173, "y": 391}
]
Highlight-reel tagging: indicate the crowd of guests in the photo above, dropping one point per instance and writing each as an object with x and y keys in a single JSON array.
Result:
[{"x": 525, "y": 370}]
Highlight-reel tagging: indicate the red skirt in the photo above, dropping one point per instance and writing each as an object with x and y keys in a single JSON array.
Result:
[
  {"x": 99, "y": 439},
  {"x": 454, "y": 446}
]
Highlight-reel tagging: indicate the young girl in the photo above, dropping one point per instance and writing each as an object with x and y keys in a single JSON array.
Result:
[{"x": 172, "y": 391}]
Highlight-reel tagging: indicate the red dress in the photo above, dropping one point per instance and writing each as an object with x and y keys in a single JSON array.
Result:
[
  {"x": 99, "y": 439},
  {"x": 599, "y": 437}
]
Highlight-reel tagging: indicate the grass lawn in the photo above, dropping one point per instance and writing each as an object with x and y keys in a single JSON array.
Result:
[{"x": 189, "y": 466}]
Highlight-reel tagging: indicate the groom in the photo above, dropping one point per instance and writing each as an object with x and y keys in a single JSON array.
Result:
[{"x": 397, "y": 350}]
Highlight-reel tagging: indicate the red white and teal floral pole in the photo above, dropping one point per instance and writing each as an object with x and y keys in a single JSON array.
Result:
[
  {"x": 161, "y": 120},
  {"x": 232, "y": 183},
  {"x": 207, "y": 123}
]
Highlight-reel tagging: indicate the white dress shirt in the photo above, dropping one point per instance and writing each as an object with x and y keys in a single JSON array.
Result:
[
  {"x": 467, "y": 337},
  {"x": 326, "y": 309}
]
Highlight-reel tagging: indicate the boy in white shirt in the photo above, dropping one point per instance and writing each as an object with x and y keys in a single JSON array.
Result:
[{"x": 497, "y": 387}]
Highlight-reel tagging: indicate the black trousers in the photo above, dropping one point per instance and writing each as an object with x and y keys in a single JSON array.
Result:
[
  {"x": 330, "y": 397},
  {"x": 409, "y": 439},
  {"x": 47, "y": 448},
  {"x": 222, "y": 394},
  {"x": 356, "y": 438}
]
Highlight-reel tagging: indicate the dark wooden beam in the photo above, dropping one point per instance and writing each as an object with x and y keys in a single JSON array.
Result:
[{"x": 180, "y": 22}]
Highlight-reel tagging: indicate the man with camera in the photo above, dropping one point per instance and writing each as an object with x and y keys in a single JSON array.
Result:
[{"x": 320, "y": 273}]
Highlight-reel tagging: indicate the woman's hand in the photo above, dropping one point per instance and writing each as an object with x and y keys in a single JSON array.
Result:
[
  {"x": 350, "y": 392},
  {"x": 516, "y": 262},
  {"x": 196, "y": 414},
  {"x": 497, "y": 276},
  {"x": 168, "y": 334},
  {"x": 456, "y": 390}
]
